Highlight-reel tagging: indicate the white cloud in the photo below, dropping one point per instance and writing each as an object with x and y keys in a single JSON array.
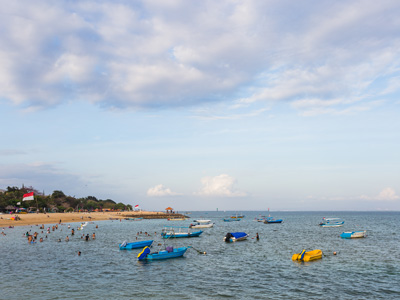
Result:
[
  {"x": 387, "y": 194},
  {"x": 123, "y": 54},
  {"x": 160, "y": 191},
  {"x": 222, "y": 186}
]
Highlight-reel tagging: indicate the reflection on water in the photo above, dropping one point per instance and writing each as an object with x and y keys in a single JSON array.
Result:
[{"x": 363, "y": 268}]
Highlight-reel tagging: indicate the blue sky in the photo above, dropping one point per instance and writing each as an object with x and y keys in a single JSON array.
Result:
[{"x": 201, "y": 105}]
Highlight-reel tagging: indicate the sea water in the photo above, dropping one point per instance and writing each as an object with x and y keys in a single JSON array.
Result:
[{"x": 366, "y": 268}]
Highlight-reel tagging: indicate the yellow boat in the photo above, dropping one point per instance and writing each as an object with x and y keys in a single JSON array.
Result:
[{"x": 308, "y": 256}]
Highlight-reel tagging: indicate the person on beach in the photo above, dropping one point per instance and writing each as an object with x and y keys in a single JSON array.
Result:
[
  {"x": 257, "y": 237},
  {"x": 72, "y": 231},
  {"x": 79, "y": 253},
  {"x": 87, "y": 237},
  {"x": 93, "y": 236},
  {"x": 41, "y": 239},
  {"x": 29, "y": 239},
  {"x": 67, "y": 239}
]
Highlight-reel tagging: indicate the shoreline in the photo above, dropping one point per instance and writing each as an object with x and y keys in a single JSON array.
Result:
[{"x": 51, "y": 218}]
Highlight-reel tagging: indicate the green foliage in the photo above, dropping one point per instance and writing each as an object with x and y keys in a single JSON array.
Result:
[{"x": 56, "y": 201}]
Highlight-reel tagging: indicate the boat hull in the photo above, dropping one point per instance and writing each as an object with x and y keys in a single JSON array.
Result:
[
  {"x": 273, "y": 221},
  {"x": 354, "y": 234},
  {"x": 308, "y": 256},
  {"x": 202, "y": 225},
  {"x": 136, "y": 245},
  {"x": 178, "y": 252},
  {"x": 332, "y": 225},
  {"x": 181, "y": 234},
  {"x": 235, "y": 237}
]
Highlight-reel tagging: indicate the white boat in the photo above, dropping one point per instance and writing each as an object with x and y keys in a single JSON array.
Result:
[
  {"x": 201, "y": 224},
  {"x": 331, "y": 222}
]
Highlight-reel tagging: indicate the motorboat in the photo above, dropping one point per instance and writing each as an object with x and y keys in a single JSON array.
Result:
[
  {"x": 202, "y": 224},
  {"x": 308, "y": 256},
  {"x": 235, "y": 237},
  {"x": 354, "y": 234},
  {"x": 271, "y": 220},
  {"x": 134, "y": 245},
  {"x": 331, "y": 222},
  {"x": 231, "y": 220},
  {"x": 169, "y": 252},
  {"x": 179, "y": 232}
]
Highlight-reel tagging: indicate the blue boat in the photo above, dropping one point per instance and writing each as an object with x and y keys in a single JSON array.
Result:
[
  {"x": 134, "y": 245},
  {"x": 179, "y": 232},
  {"x": 231, "y": 220},
  {"x": 331, "y": 222},
  {"x": 169, "y": 252},
  {"x": 271, "y": 220},
  {"x": 354, "y": 234},
  {"x": 235, "y": 237}
]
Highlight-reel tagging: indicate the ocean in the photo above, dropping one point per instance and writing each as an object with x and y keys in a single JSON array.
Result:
[{"x": 367, "y": 268}]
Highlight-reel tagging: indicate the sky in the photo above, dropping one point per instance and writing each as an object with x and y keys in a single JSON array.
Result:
[{"x": 203, "y": 105}]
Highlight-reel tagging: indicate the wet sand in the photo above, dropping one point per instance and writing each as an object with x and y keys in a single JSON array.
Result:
[{"x": 52, "y": 218}]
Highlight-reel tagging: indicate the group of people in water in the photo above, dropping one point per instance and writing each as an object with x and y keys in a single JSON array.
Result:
[{"x": 32, "y": 238}]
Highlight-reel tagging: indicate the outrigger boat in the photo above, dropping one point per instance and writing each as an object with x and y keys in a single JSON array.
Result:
[
  {"x": 169, "y": 252},
  {"x": 179, "y": 232},
  {"x": 235, "y": 237},
  {"x": 354, "y": 234},
  {"x": 271, "y": 220},
  {"x": 134, "y": 245},
  {"x": 331, "y": 222},
  {"x": 308, "y": 256},
  {"x": 231, "y": 220}
]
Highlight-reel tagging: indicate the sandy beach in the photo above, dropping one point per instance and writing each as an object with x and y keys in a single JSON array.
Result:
[{"x": 49, "y": 218}]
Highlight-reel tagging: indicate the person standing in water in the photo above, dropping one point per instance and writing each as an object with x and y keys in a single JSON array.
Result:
[{"x": 87, "y": 237}]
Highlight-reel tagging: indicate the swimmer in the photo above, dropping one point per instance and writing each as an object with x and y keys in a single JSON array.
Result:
[{"x": 79, "y": 253}]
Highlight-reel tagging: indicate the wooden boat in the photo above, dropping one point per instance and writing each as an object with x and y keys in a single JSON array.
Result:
[
  {"x": 331, "y": 222},
  {"x": 179, "y": 232},
  {"x": 354, "y": 234},
  {"x": 271, "y": 220},
  {"x": 308, "y": 256},
  {"x": 169, "y": 252},
  {"x": 134, "y": 245},
  {"x": 235, "y": 237},
  {"x": 176, "y": 219}
]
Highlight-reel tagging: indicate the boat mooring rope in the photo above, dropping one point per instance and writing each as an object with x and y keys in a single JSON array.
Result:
[{"x": 198, "y": 251}]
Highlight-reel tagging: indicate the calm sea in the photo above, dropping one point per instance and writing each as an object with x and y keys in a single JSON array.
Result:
[{"x": 366, "y": 268}]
